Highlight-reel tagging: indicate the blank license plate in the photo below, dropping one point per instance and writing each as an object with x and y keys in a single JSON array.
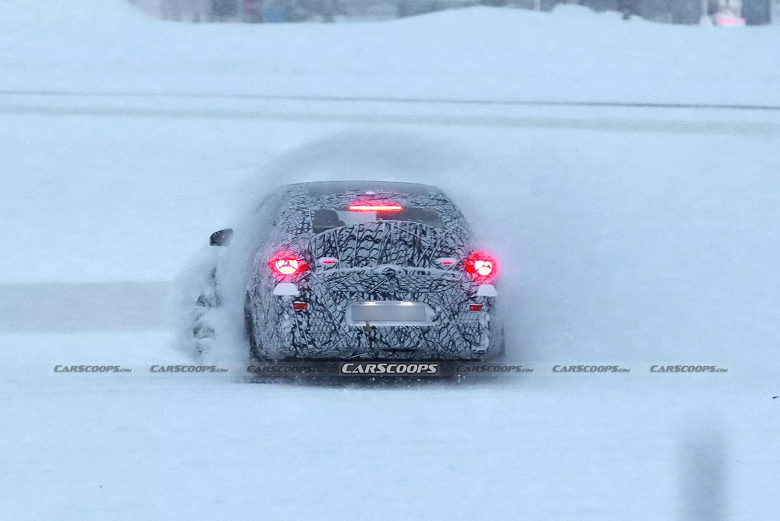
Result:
[{"x": 388, "y": 312}]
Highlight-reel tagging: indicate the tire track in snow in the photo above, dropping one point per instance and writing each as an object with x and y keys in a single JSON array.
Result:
[
  {"x": 398, "y": 100},
  {"x": 711, "y": 127}
]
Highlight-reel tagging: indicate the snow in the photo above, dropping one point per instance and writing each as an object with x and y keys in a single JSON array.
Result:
[
  {"x": 184, "y": 447},
  {"x": 480, "y": 53},
  {"x": 629, "y": 236}
]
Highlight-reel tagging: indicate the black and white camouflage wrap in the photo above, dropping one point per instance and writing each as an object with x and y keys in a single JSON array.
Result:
[{"x": 376, "y": 261}]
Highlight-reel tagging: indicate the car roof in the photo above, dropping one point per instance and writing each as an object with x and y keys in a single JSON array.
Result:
[{"x": 320, "y": 188}]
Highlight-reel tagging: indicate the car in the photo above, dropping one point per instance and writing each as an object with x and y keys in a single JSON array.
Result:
[{"x": 362, "y": 270}]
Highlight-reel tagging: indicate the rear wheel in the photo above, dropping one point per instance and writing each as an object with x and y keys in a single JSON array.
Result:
[
  {"x": 498, "y": 352},
  {"x": 255, "y": 349},
  {"x": 501, "y": 352}
]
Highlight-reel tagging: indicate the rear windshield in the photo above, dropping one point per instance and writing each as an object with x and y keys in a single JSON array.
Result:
[{"x": 329, "y": 218}]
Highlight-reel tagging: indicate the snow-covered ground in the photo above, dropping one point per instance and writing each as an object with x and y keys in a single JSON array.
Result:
[{"x": 630, "y": 236}]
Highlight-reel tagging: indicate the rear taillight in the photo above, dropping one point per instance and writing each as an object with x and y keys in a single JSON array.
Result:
[
  {"x": 286, "y": 265},
  {"x": 481, "y": 266}
]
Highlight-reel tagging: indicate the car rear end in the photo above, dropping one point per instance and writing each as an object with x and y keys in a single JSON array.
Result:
[{"x": 380, "y": 271}]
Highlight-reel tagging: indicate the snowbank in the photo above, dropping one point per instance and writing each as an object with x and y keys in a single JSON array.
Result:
[{"x": 483, "y": 53}]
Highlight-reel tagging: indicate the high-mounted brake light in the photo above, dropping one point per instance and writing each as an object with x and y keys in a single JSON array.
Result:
[
  {"x": 731, "y": 21},
  {"x": 375, "y": 206},
  {"x": 481, "y": 266},
  {"x": 285, "y": 265}
]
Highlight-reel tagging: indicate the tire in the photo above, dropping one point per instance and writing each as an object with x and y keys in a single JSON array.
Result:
[
  {"x": 498, "y": 355},
  {"x": 249, "y": 331}
]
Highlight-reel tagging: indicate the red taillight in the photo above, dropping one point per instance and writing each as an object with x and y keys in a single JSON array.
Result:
[
  {"x": 481, "y": 266},
  {"x": 374, "y": 206},
  {"x": 285, "y": 265},
  {"x": 299, "y": 306},
  {"x": 475, "y": 307}
]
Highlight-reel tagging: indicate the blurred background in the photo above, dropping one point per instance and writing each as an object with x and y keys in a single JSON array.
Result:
[{"x": 710, "y": 12}]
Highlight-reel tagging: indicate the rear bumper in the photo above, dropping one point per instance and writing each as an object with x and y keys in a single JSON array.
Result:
[
  {"x": 305, "y": 334},
  {"x": 426, "y": 316}
]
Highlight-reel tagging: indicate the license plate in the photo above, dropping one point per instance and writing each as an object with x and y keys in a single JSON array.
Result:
[{"x": 387, "y": 312}]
